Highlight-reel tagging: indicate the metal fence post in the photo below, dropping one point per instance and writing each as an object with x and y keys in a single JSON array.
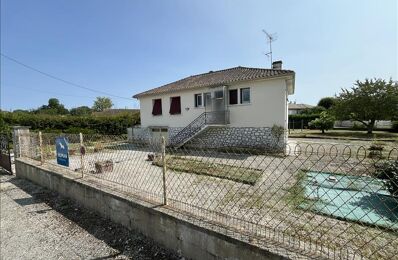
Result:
[
  {"x": 164, "y": 171},
  {"x": 82, "y": 152},
  {"x": 41, "y": 148}
]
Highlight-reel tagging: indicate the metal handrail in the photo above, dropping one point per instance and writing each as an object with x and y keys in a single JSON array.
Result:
[{"x": 206, "y": 118}]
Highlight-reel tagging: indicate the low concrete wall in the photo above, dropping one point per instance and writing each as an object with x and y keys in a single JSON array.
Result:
[{"x": 171, "y": 232}]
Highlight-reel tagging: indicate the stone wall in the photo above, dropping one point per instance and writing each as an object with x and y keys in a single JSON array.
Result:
[
  {"x": 222, "y": 137},
  {"x": 173, "y": 131},
  {"x": 242, "y": 137}
]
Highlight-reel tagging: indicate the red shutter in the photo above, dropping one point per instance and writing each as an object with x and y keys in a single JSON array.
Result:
[
  {"x": 157, "y": 107},
  {"x": 233, "y": 97},
  {"x": 175, "y": 106}
]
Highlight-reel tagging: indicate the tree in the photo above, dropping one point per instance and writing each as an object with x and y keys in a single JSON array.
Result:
[
  {"x": 324, "y": 122},
  {"x": 326, "y": 102},
  {"x": 54, "y": 107},
  {"x": 313, "y": 110},
  {"x": 80, "y": 111},
  {"x": 367, "y": 102},
  {"x": 102, "y": 103}
]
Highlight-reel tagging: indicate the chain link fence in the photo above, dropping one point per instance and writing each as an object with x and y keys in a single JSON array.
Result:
[{"x": 325, "y": 200}]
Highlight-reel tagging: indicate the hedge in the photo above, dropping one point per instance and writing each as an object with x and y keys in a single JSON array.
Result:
[
  {"x": 297, "y": 121},
  {"x": 115, "y": 125}
]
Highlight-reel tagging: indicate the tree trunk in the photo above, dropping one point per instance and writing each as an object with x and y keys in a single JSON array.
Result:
[
  {"x": 323, "y": 131},
  {"x": 371, "y": 125}
]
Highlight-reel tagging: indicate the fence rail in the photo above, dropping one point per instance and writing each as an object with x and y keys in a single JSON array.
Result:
[{"x": 326, "y": 200}]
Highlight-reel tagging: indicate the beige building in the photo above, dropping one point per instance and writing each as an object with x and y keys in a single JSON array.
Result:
[{"x": 231, "y": 107}]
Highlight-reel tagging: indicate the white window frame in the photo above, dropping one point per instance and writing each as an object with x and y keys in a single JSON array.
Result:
[
  {"x": 196, "y": 100},
  {"x": 241, "y": 101}
]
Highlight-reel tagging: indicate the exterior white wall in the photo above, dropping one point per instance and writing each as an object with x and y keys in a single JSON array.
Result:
[{"x": 268, "y": 106}]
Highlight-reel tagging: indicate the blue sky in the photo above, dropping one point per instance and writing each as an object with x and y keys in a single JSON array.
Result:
[{"x": 125, "y": 47}]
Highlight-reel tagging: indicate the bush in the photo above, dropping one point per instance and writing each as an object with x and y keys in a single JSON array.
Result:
[
  {"x": 324, "y": 122},
  {"x": 388, "y": 171},
  {"x": 114, "y": 125},
  {"x": 298, "y": 120}
]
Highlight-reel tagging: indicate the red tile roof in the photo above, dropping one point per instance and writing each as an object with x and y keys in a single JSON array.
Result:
[{"x": 216, "y": 78}]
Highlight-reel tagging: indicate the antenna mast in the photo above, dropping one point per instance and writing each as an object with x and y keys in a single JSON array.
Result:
[{"x": 270, "y": 39}]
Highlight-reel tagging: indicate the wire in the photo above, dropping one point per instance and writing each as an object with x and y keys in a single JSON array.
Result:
[
  {"x": 47, "y": 92},
  {"x": 60, "y": 79}
]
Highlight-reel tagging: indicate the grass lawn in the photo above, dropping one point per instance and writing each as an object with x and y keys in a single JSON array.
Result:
[
  {"x": 345, "y": 134},
  {"x": 219, "y": 170}
]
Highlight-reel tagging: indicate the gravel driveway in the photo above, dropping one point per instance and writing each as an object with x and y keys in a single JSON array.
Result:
[{"x": 38, "y": 224}]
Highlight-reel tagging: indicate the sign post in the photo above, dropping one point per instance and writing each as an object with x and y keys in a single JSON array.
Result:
[{"x": 61, "y": 146}]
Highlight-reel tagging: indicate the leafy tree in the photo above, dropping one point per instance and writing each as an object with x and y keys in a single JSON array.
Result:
[
  {"x": 367, "y": 102},
  {"x": 54, "y": 107},
  {"x": 102, "y": 103},
  {"x": 326, "y": 102},
  {"x": 324, "y": 122},
  {"x": 313, "y": 110},
  {"x": 81, "y": 111}
]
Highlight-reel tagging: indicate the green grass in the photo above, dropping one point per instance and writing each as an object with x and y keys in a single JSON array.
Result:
[
  {"x": 345, "y": 134},
  {"x": 219, "y": 170},
  {"x": 296, "y": 194}
]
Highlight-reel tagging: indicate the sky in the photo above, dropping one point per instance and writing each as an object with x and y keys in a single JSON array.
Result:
[{"x": 123, "y": 47}]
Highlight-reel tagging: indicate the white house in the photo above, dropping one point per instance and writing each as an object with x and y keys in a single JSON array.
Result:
[
  {"x": 297, "y": 108},
  {"x": 232, "y": 107}
]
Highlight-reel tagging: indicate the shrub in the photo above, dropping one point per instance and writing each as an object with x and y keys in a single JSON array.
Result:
[
  {"x": 297, "y": 121},
  {"x": 388, "y": 171},
  {"x": 114, "y": 125},
  {"x": 324, "y": 122},
  {"x": 376, "y": 149}
]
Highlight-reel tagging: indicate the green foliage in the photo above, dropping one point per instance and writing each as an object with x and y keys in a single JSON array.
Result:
[
  {"x": 388, "y": 171},
  {"x": 277, "y": 132},
  {"x": 324, "y": 122},
  {"x": 102, "y": 103},
  {"x": 81, "y": 111},
  {"x": 49, "y": 123},
  {"x": 313, "y": 111},
  {"x": 326, "y": 102},
  {"x": 297, "y": 121},
  {"x": 54, "y": 107},
  {"x": 367, "y": 102}
]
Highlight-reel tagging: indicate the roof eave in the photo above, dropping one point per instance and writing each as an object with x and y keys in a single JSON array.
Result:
[{"x": 143, "y": 94}]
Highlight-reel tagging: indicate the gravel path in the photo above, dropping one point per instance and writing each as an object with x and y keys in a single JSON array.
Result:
[{"x": 38, "y": 224}]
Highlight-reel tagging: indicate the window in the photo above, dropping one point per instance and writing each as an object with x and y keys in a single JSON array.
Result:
[
  {"x": 198, "y": 100},
  {"x": 207, "y": 99},
  {"x": 244, "y": 95},
  {"x": 218, "y": 94},
  {"x": 233, "y": 97},
  {"x": 157, "y": 107},
  {"x": 175, "y": 105}
]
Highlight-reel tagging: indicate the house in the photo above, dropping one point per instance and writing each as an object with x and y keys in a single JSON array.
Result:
[
  {"x": 298, "y": 108},
  {"x": 234, "y": 107}
]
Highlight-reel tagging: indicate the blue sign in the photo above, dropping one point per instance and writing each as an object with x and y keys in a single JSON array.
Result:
[{"x": 61, "y": 146}]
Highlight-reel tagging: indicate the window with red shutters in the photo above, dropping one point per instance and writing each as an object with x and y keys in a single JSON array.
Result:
[
  {"x": 175, "y": 106},
  {"x": 157, "y": 107}
]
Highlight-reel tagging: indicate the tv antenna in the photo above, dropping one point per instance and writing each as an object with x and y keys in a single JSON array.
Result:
[{"x": 270, "y": 38}]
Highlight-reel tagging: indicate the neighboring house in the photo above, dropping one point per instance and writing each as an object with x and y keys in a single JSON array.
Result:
[
  {"x": 297, "y": 108},
  {"x": 234, "y": 107}
]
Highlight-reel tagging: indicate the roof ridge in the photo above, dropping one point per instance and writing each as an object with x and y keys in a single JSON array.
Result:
[{"x": 228, "y": 75}]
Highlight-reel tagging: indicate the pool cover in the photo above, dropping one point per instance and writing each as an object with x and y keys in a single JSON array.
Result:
[{"x": 355, "y": 198}]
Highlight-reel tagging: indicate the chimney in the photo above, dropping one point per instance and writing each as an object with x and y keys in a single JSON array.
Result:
[{"x": 277, "y": 65}]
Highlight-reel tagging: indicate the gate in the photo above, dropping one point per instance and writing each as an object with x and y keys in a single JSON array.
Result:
[{"x": 5, "y": 152}]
